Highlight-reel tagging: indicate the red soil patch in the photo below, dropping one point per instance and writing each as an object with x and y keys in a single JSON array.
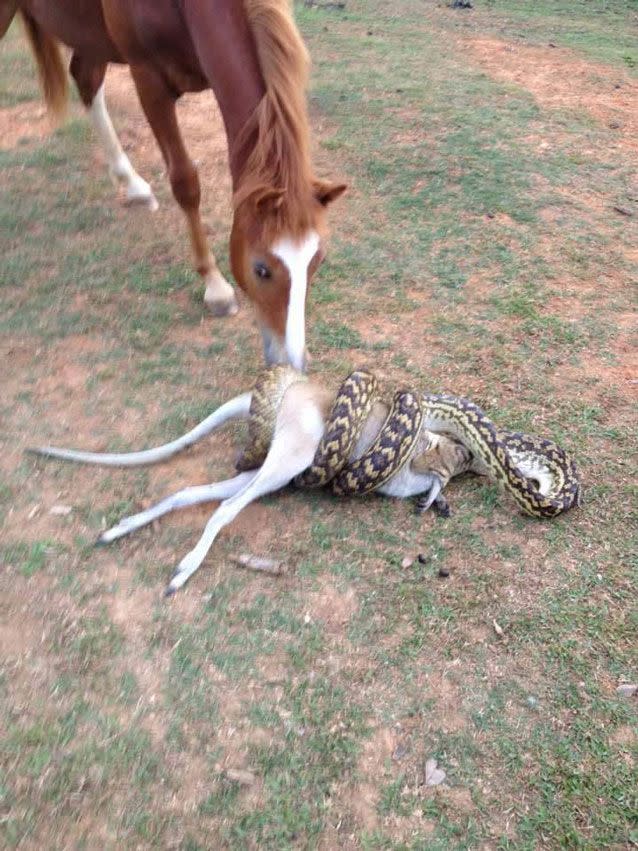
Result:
[
  {"x": 376, "y": 752},
  {"x": 25, "y": 122},
  {"x": 20, "y": 637},
  {"x": 331, "y": 606},
  {"x": 560, "y": 79},
  {"x": 622, "y": 371}
]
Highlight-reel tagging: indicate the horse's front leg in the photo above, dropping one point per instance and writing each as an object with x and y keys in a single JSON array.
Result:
[
  {"x": 158, "y": 102},
  {"x": 89, "y": 79}
]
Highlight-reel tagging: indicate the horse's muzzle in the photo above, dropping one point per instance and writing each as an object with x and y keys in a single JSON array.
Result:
[{"x": 275, "y": 351}]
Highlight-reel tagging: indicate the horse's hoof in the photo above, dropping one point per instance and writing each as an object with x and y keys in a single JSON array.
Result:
[
  {"x": 222, "y": 308},
  {"x": 142, "y": 201},
  {"x": 138, "y": 191},
  {"x": 220, "y": 298}
]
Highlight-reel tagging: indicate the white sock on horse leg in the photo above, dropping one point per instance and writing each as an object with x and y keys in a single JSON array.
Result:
[{"x": 138, "y": 190}]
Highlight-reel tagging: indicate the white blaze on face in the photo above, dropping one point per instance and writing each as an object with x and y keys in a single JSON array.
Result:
[{"x": 296, "y": 257}]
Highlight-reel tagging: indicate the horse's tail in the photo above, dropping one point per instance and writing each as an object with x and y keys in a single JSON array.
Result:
[{"x": 51, "y": 66}]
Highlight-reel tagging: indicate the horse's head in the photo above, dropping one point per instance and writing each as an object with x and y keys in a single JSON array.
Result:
[{"x": 274, "y": 252}]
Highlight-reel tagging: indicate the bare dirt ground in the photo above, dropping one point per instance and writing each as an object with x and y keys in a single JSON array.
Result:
[{"x": 560, "y": 79}]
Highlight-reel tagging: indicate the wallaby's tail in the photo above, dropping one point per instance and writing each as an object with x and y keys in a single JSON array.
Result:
[
  {"x": 51, "y": 66},
  {"x": 235, "y": 409}
]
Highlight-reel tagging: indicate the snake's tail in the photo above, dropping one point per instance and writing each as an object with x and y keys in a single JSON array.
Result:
[{"x": 236, "y": 408}]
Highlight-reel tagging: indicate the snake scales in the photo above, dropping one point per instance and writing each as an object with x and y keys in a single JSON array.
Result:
[{"x": 429, "y": 433}]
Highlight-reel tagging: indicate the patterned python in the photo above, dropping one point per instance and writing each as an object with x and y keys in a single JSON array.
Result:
[
  {"x": 352, "y": 406},
  {"x": 438, "y": 433},
  {"x": 519, "y": 462},
  {"x": 268, "y": 392}
]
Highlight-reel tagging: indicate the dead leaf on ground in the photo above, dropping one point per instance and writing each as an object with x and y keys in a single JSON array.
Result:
[
  {"x": 262, "y": 565},
  {"x": 241, "y": 776},
  {"x": 433, "y": 776}
]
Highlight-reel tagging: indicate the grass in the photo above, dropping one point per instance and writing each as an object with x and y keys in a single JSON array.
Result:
[
  {"x": 467, "y": 257},
  {"x": 597, "y": 29},
  {"x": 28, "y": 558}
]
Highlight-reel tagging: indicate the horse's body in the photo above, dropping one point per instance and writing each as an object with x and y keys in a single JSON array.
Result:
[{"x": 250, "y": 53}]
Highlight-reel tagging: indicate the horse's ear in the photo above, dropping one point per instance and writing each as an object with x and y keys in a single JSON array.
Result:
[
  {"x": 263, "y": 198},
  {"x": 326, "y": 192},
  {"x": 268, "y": 200}
]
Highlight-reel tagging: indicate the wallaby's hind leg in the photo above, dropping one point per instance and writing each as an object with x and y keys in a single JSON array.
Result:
[
  {"x": 89, "y": 79},
  {"x": 237, "y": 408},
  {"x": 182, "y": 499},
  {"x": 299, "y": 429}
]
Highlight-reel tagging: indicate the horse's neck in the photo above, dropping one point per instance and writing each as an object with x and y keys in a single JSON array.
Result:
[{"x": 228, "y": 57}]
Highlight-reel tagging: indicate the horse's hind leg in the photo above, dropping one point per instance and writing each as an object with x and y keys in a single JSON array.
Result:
[
  {"x": 158, "y": 102},
  {"x": 89, "y": 79}
]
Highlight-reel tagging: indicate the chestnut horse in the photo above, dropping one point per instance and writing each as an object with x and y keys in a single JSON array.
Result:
[{"x": 252, "y": 56}]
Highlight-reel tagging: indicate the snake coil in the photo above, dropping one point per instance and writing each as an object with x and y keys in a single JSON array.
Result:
[{"x": 518, "y": 461}]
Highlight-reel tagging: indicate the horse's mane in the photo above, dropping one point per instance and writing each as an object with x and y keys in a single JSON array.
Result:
[{"x": 280, "y": 155}]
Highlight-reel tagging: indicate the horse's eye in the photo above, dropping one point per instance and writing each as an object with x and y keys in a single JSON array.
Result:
[{"x": 262, "y": 271}]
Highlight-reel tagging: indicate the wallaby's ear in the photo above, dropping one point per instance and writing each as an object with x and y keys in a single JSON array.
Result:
[{"x": 326, "y": 192}]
